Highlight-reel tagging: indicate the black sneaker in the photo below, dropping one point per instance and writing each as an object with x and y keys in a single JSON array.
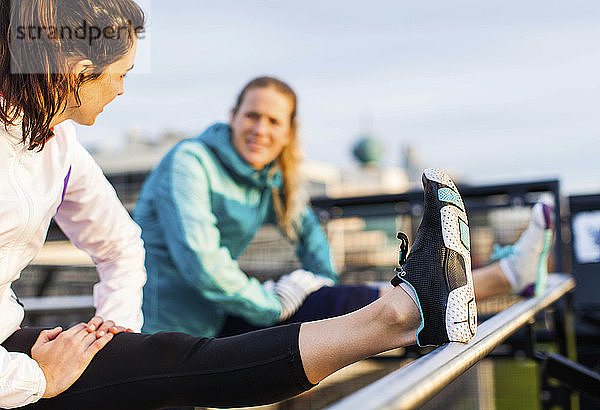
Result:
[{"x": 438, "y": 267}]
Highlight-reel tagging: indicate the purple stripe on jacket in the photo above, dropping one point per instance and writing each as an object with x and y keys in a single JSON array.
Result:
[{"x": 62, "y": 198}]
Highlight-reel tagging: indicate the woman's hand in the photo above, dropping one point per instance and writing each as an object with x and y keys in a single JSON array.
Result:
[
  {"x": 63, "y": 356},
  {"x": 98, "y": 325},
  {"x": 293, "y": 288}
]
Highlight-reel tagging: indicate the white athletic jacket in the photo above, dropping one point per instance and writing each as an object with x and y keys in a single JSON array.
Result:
[{"x": 61, "y": 182}]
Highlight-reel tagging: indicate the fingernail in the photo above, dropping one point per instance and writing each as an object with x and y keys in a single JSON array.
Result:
[
  {"x": 92, "y": 327},
  {"x": 101, "y": 333}
]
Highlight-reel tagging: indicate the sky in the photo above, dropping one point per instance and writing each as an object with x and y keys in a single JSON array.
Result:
[{"x": 495, "y": 91}]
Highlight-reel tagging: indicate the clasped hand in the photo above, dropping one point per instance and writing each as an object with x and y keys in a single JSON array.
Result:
[{"x": 64, "y": 355}]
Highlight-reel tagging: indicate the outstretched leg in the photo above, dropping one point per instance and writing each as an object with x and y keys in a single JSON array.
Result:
[
  {"x": 490, "y": 281},
  {"x": 328, "y": 345},
  {"x": 523, "y": 266},
  {"x": 136, "y": 371},
  {"x": 324, "y": 303}
]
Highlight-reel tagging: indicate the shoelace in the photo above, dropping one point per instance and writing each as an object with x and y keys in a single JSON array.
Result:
[{"x": 401, "y": 258}]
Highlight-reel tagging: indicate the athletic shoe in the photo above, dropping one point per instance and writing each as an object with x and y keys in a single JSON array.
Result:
[
  {"x": 526, "y": 262},
  {"x": 438, "y": 268}
]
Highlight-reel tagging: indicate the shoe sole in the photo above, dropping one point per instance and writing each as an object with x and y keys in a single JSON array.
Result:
[
  {"x": 542, "y": 270},
  {"x": 461, "y": 309}
]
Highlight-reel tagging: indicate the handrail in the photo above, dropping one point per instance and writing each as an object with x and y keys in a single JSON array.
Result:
[
  {"x": 415, "y": 383},
  {"x": 47, "y": 304}
]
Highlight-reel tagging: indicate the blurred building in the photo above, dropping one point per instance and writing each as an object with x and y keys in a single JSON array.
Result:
[
  {"x": 370, "y": 176},
  {"x": 128, "y": 168}
]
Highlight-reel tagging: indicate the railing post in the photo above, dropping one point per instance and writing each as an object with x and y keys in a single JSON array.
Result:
[
  {"x": 564, "y": 327},
  {"x": 531, "y": 339}
]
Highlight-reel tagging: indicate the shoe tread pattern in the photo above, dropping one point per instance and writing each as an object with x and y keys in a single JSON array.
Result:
[
  {"x": 422, "y": 271},
  {"x": 461, "y": 311},
  {"x": 450, "y": 196},
  {"x": 464, "y": 234},
  {"x": 441, "y": 177}
]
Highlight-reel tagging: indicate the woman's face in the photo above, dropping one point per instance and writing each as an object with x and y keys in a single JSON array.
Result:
[
  {"x": 261, "y": 126},
  {"x": 96, "y": 94}
]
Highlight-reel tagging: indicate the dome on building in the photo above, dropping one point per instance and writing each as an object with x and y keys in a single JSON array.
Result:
[{"x": 368, "y": 150}]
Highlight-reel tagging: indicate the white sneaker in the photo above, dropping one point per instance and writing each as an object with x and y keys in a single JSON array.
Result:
[{"x": 526, "y": 265}]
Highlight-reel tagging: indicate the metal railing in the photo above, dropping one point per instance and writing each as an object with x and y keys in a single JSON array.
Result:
[
  {"x": 415, "y": 383},
  {"x": 58, "y": 304}
]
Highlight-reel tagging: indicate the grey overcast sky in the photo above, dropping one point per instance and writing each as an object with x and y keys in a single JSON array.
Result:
[{"x": 496, "y": 91}]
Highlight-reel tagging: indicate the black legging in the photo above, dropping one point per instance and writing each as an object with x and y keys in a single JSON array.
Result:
[{"x": 138, "y": 371}]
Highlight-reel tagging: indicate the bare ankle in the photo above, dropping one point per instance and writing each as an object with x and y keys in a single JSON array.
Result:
[{"x": 399, "y": 310}]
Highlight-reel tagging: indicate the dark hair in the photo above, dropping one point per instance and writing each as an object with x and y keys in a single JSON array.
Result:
[
  {"x": 286, "y": 201},
  {"x": 40, "y": 40}
]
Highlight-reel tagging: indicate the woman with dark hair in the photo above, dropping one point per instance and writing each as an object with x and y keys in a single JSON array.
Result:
[
  {"x": 45, "y": 173},
  {"x": 204, "y": 203}
]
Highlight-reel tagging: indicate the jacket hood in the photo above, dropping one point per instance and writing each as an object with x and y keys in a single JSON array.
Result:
[{"x": 217, "y": 138}]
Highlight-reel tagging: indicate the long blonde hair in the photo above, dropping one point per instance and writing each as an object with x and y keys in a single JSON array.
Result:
[{"x": 286, "y": 201}]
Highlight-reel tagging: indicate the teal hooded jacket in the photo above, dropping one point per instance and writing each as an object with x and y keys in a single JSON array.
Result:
[{"x": 199, "y": 210}]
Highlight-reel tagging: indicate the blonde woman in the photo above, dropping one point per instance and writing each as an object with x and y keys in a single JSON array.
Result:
[{"x": 203, "y": 204}]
